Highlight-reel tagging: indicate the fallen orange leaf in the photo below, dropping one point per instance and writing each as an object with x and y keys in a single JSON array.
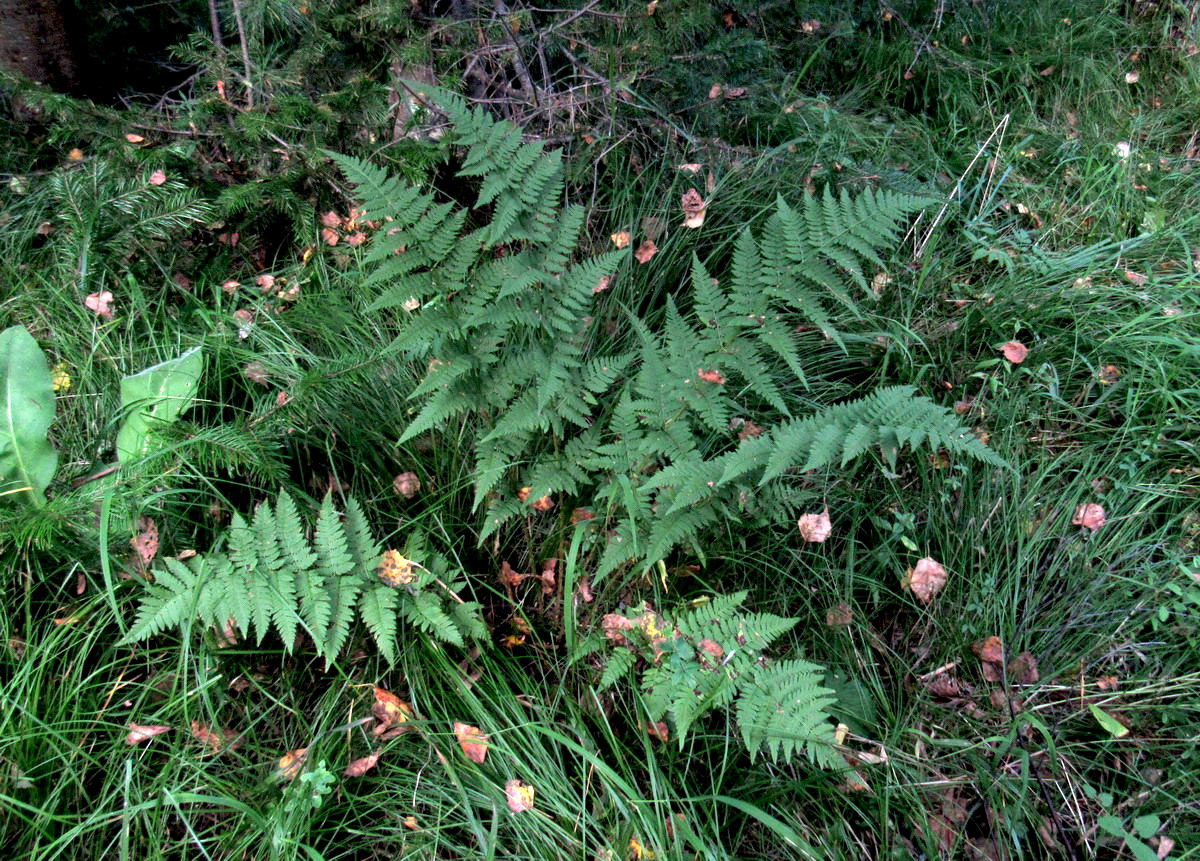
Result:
[
  {"x": 1015, "y": 352},
  {"x": 361, "y": 766},
  {"x": 394, "y": 569},
  {"x": 472, "y": 740},
  {"x": 925, "y": 579},
  {"x": 292, "y": 763},
  {"x": 622, "y": 239},
  {"x": 158, "y": 177},
  {"x": 390, "y": 713},
  {"x": 645, "y": 251},
  {"x": 1090, "y": 516},
  {"x": 693, "y": 206},
  {"x": 217, "y": 741}
]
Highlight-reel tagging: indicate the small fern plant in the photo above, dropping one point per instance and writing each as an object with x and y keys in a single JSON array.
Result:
[
  {"x": 712, "y": 657},
  {"x": 271, "y": 577},
  {"x": 496, "y": 308}
]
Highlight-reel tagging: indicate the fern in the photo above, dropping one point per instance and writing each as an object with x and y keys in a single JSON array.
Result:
[
  {"x": 499, "y": 315},
  {"x": 271, "y": 577},
  {"x": 712, "y": 657}
]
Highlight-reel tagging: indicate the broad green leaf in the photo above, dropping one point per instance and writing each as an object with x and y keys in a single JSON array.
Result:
[
  {"x": 27, "y": 460},
  {"x": 157, "y": 395},
  {"x": 1111, "y": 725}
]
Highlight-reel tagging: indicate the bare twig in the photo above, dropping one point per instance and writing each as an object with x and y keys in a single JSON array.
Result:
[{"x": 241, "y": 28}]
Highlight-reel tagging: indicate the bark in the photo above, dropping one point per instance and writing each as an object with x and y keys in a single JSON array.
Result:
[{"x": 34, "y": 43}]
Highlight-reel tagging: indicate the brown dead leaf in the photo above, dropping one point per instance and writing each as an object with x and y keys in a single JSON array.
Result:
[
  {"x": 134, "y": 138},
  {"x": 692, "y": 168},
  {"x": 291, "y": 764},
  {"x": 735, "y": 93},
  {"x": 581, "y": 514},
  {"x": 1015, "y": 352},
  {"x": 519, "y": 796},
  {"x": 509, "y": 576},
  {"x": 75, "y": 155},
  {"x": 542, "y": 503},
  {"x": 406, "y": 484},
  {"x": 613, "y": 625},
  {"x": 658, "y": 730},
  {"x": 331, "y": 219},
  {"x": 925, "y": 579},
  {"x": 391, "y": 714},
  {"x": 711, "y": 376},
  {"x": 1135, "y": 278},
  {"x": 330, "y": 237},
  {"x": 645, "y": 251},
  {"x": 693, "y": 206},
  {"x": 472, "y": 740},
  {"x": 99, "y": 302},
  {"x": 139, "y": 733},
  {"x": 990, "y": 650},
  {"x": 1107, "y": 683},
  {"x": 1023, "y": 669},
  {"x": 815, "y": 528},
  {"x": 158, "y": 177},
  {"x": 946, "y": 686},
  {"x": 361, "y": 766},
  {"x": 217, "y": 741},
  {"x": 621, "y": 239},
  {"x": 584, "y": 590},
  {"x": 603, "y": 284},
  {"x": 1090, "y": 516},
  {"x": 840, "y": 615},
  {"x": 548, "y": 577},
  {"x": 714, "y": 92},
  {"x": 146, "y": 541},
  {"x": 394, "y": 569},
  {"x": 812, "y": 25}
]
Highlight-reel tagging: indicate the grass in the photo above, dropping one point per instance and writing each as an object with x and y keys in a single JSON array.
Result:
[{"x": 1102, "y": 411}]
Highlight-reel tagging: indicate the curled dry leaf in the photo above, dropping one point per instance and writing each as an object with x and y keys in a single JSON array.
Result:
[
  {"x": 292, "y": 763},
  {"x": 621, "y": 239},
  {"x": 549, "y": 577},
  {"x": 134, "y": 138},
  {"x": 406, "y": 484},
  {"x": 519, "y": 796},
  {"x": 584, "y": 590},
  {"x": 509, "y": 576},
  {"x": 812, "y": 25},
  {"x": 990, "y": 650},
  {"x": 816, "y": 528},
  {"x": 839, "y": 616},
  {"x": 217, "y": 741},
  {"x": 945, "y": 685},
  {"x": 330, "y": 237},
  {"x": 1015, "y": 352},
  {"x": 146, "y": 541},
  {"x": 659, "y": 730},
  {"x": 391, "y": 714},
  {"x": 735, "y": 93},
  {"x": 582, "y": 514},
  {"x": 331, "y": 219},
  {"x": 603, "y": 284},
  {"x": 1109, "y": 375},
  {"x": 394, "y": 569},
  {"x": 256, "y": 372},
  {"x": 75, "y": 154},
  {"x": 361, "y": 766},
  {"x": 925, "y": 579},
  {"x": 714, "y": 92},
  {"x": 1089, "y": 515},
  {"x": 1135, "y": 278},
  {"x": 693, "y": 206},
  {"x": 645, "y": 251},
  {"x": 692, "y": 167},
  {"x": 711, "y": 647},
  {"x": 139, "y": 733},
  {"x": 543, "y": 503},
  {"x": 711, "y": 376},
  {"x": 230, "y": 287},
  {"x": 158, "y": 177},
  {"x": 99, "y": 303},
  {"x": 472, "y": 740}
]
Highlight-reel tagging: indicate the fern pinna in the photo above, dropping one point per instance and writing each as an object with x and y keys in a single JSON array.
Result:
[
  {"x": 712, "y": 657},
  {"x": 494, "y": 307},
  {"x": 272, "y": 577}
]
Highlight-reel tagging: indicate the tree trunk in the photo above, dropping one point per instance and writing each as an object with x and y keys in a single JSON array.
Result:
[{"x": 34, "y": 43}]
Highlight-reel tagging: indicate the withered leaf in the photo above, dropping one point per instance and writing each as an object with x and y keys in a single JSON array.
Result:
[
  {"x": 621, "y": 239},
  {"x": 406, "y": 484},
  {"x": 816, "y": 528},
  {"x": 1023, "y": 669},
  {"x": 925, "y": 579},
  {"x": 711, "y": 376},
  {"x": 291, "y": 764},
  {"x": 391, "y": 713},
  {"x": 519, "y": 796},
  {"x": 693, "y": 209},
  {"x": 394, "y": 569},
  {"x": 472, "y": 740},
  {"x": 1015, "y": 352},
  {"x": 217, "y": 741},
  {"x": 839, "y": 616},
  {"x": 139, "y": 732},
  {"x": 146, "y": 541},
  {"x": 990, "y": 649},
  {"x": 361, "y": 766},
  {"x": 645, "y": 251},
  {"x": 1090, "y": 516}
]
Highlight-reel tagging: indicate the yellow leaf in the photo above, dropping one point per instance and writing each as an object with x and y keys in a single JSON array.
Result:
[
  {"x": 292, "y": 763},
  {"x": 622, "y": 239},
  {"x": 519, "y": 795},
  {"x": 472, "y": 741},
  {"x": 394, "y": 569}
]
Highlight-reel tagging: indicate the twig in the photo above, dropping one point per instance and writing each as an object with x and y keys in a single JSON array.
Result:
[
  {"x": 241, "y": 28},
  {"x": 215, "y": 19},
  {"x": 518, "y": 62}
]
